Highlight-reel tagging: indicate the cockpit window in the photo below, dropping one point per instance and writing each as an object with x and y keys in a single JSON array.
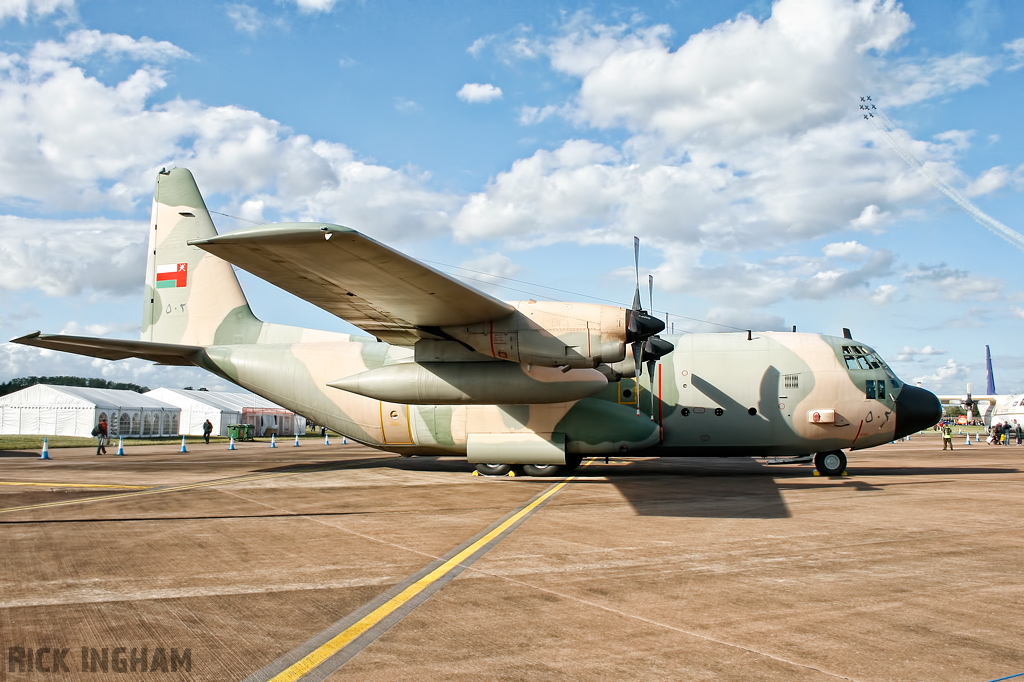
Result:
[
  {"x": 862, "y": 357},
  {"x": 874, "y": 389}
]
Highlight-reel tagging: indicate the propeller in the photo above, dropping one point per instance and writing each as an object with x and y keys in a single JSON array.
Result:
[
  {"x": 640, "y": 326},
  {"x": 655, "y": 347}
]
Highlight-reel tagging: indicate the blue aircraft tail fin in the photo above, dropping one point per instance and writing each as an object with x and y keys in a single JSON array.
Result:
[{"x": 991, "y": 388}]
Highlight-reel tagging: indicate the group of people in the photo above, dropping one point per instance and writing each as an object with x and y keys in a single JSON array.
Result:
[
  {"x": 1002, "y": 432},
  {"x": 999, "y": 434}
]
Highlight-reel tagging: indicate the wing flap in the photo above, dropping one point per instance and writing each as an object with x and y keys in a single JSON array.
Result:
[
  {"x": 114, "y": 349},
  {"x": 376, "y": 288}
]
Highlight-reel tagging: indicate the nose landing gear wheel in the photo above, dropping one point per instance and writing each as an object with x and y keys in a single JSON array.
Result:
[
  {"x": 830, "y": 463},
  {"x": 493, "y": 469}
]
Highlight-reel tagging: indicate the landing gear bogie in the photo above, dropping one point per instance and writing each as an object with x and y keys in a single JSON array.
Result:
[
  {"x": 493, "y": 469},
  {"x": 543, "y": 469}
]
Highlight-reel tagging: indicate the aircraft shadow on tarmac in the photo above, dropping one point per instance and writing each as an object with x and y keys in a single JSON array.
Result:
[
  {"x": 654, "y": 489},
  {"x": 711, "y": 487}
]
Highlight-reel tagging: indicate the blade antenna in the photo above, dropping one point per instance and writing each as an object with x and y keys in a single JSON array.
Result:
[
  {"x": 636, "y": 271},
  {"x": 652, "y": 364}
]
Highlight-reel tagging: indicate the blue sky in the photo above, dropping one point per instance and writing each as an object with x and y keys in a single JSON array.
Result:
[{"x": 532, "y": 141}]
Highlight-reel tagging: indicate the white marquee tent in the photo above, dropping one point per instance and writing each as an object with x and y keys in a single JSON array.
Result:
[
  {"x": 74, "y": 411},
  {"x": 223, "y": 408}
]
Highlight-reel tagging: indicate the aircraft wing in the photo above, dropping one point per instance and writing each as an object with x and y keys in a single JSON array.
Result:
[
  {"x": 955, "y": 399},
  {"x": 114, "y": 349},
  {"x": 381, "y": 291}
]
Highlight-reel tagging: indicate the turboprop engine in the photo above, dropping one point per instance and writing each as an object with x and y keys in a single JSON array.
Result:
[{"x": 556, "y": 334}]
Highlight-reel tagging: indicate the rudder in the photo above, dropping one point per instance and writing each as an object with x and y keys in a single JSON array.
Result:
[{"x": 192, "y": 297}]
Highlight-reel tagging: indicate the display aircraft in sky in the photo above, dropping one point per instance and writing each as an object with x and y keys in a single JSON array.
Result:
[{"x": 450, "y": 370}]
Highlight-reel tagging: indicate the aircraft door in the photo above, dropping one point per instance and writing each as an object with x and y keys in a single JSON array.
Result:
[{"x": 394, "y": 422}]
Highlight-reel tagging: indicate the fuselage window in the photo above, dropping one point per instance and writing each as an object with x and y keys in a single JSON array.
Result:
[{"x": 869, "y": 389}]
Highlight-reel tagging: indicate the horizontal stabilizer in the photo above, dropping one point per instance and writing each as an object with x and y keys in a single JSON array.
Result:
[
  {"x": 382, "y": 291},
  {"x": 114, "y": 349}
]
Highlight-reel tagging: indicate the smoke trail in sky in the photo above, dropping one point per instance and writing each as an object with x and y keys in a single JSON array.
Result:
[{"x": 886, "y": 127}]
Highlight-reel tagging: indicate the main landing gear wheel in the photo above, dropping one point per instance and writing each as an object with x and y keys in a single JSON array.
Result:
[
  {"x": 542, "y": 469},
  {"x": 494, "y": 469},
  {"x": 573, "y": 462},
  {"x": 830, "y": 463}
]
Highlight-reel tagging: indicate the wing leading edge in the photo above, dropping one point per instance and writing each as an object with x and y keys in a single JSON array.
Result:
[
  {"x": 382, "y": 291},
  {"x": 115, "y": 349}
]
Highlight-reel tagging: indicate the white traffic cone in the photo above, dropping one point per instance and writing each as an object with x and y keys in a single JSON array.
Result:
[
  {"x": 46, "y": 449},
  {"x": 273, "y": 440},
  {"x": 183, "y": 448},
  {"x": 296, "y": 440},
  {"x": 231, "y": 445},
  {"x": 327, "y": 439},
  {"x": 120, "y": 446}
]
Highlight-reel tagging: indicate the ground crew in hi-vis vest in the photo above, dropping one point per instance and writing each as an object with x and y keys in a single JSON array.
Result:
[{"x": 947, "y": 436}]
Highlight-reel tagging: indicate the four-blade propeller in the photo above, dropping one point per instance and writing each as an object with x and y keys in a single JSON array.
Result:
[
  {"x": 642, "y": 331},
  {"x": 641, "y": 327}
]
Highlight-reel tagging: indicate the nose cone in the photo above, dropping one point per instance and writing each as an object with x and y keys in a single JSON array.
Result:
[
  {"x": 916, "y": 409},
  {"x": 640, "y": 325},
  {"x": 655, "y": 348}
]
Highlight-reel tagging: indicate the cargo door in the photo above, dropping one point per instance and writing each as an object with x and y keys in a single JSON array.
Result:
[{"x": 394, "y": 422}]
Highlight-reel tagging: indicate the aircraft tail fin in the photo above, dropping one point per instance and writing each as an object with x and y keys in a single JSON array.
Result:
[
  {"x": 192, "y": 297},
  {"x": 991, "y": 387}
]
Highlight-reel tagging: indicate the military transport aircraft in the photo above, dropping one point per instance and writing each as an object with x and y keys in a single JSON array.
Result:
[
  {"x": 450, "y": 370},
  {"x": 993, "y": 408}
]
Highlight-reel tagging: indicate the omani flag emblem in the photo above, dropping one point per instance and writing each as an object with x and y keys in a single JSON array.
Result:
[{"x": 171, "y": 276}]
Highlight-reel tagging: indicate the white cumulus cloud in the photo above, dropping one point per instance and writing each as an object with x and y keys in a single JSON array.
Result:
[
  {"x": 476, "y": 93},
  {"x": 22, "y": 10}
]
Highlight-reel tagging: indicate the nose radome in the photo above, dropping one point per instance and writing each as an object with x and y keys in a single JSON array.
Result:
[{"x": 916, "y": 409}]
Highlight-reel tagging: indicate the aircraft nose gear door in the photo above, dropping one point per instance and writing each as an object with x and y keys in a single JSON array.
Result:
[{"x": 394, "y": 421}]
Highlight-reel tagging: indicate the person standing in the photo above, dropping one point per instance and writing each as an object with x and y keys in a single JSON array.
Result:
[
  {"x": 1020, "y": 434},
  {"x": 207, "y": 430},
  {"x": 947, "y": 436},
  {"x": 100, "y": 432}
]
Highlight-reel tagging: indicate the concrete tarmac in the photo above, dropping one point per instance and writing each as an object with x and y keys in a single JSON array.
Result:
[{"x": 909, "y": 568}]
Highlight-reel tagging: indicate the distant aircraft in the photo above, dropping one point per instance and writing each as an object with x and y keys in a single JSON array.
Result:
[
  {"x": 993, "y": 408},
  {"x": 450, "y": 370}
]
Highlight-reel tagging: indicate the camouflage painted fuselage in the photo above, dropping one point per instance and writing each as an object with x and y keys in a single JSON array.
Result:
[{"x": 716, "y": 394}]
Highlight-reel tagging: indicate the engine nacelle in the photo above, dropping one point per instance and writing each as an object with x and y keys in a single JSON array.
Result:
[
  {"x": 551, "y": 334},
  {"x": 472, "y": 383}
]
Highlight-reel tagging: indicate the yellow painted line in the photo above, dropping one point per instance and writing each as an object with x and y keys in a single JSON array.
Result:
[
  {"x": 151, "y": 491},
  {"x": 80, "y": 485},
  {"x": 344, "y": 638}
]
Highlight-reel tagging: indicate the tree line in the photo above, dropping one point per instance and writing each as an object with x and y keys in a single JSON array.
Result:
[{"x": 24, "y": 382}]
